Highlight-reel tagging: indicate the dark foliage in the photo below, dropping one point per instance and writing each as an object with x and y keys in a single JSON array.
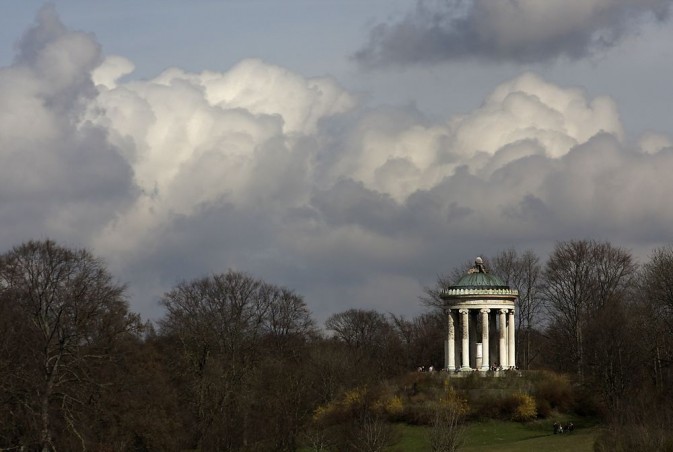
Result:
[{"x": 238, "y": 364}]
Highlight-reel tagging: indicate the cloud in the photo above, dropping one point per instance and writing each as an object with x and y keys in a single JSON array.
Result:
[
  {"x": 296, "y": 180},
  {"x": 58, "y": 174},
  {"x": 514, "y": 30}
]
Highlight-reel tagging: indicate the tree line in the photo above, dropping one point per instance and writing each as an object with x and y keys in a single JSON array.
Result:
[{"x": 237, "y": 363}]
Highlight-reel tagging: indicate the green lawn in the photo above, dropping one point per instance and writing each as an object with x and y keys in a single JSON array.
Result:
[{"x": 505, "y": 437}]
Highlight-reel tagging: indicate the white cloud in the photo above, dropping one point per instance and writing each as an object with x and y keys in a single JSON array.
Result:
[
  {"x": 529, "y": 108},
  {"x": 653, "y": 142},
  {"x": 111, "y": 69},
  {"x": 297, "y": 181}
]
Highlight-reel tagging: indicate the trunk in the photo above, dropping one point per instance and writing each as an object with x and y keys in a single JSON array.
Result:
[
  {"x": 45, "y": 433},
  {"x": 657, "y": 368},
  {"x": 50, "y": 374},
  {"x": 580, "y": 355},
  {"x": 527, "y": 350}
]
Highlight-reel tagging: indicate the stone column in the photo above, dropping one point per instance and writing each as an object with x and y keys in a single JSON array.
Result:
[
  {"x": 502, "y": 334},
  {"x": 510, "y": 346},
  {"x": 451, "y": 345},
  {"x": 464, "y": 326},
  {"x": 484, "y": 339}
]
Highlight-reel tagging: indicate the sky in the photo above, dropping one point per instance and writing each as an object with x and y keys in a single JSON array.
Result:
[{"x": 349, "y": 150}]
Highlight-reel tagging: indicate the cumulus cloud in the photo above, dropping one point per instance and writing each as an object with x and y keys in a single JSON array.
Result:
[
  {"x": 295, "y": 180},
  {"x": 515, "y": 30},
  {"x": 58, "y": 173},
  {"x": 358, "y": 195}
]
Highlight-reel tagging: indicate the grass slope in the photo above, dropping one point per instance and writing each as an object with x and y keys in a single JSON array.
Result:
[{"x": 504, "y": 437}]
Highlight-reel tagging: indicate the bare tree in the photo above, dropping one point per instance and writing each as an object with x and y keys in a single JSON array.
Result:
[
  {"x": 224, "y": 325},
  {"x": 75, "y": 312},
  {"x": 432, "y": 295},
  {"x": 373, "y": 434},
  {"x": 581, "y": 278},
  {"x": 657, "y": 280},
  {"x": 615, "y": 358},
  {"x": 636, "y": 372},
  {"x": 522, "y": 272},
  {"x": 421, "y": 338},
  {"x": 656, "y": 304},
  {"x": 317, "y": 441},
  {"x": 288, "y": 315},
  {"x": 217, "y": 321},
  {"x": 358, "y": 327},
  {"x": 446, "y": 431},
  {"x": 371, "y": 339}
]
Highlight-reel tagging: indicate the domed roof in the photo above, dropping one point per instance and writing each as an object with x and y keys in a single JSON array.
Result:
[
  {"x": 478, "y": 281},
  {"x": 478, "y": 278}
]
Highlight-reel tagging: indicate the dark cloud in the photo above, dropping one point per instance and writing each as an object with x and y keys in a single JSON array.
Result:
[
  {"x": 59, "y": 176},
  {"x": 60, "y": 60},
  {"x": 349, "y": 202},
  {"x": 513, "y": 30}
]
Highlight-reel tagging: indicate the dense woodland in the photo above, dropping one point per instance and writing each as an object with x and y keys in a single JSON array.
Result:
[{"x": 237, "y": 363}]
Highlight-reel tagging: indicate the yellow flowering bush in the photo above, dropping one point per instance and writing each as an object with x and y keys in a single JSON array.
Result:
[
  {"x": 451, "y": 399},
  {"x": 525, "y": 408},
  {"x": 390, "y": 406},
  {"x": 349, "y": 402}
]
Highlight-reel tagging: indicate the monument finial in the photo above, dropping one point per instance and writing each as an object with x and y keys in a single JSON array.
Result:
[{"x": 479, "y": 265}]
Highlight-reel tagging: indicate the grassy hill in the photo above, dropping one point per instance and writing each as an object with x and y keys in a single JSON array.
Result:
[
  {"x": 511, "y": 413},
  {"x": 502, "y": 436}
]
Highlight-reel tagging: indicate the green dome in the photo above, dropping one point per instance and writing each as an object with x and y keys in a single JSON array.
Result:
[
  {"x": 479, "y": 283},
  {"x": 480, "y": 280}
]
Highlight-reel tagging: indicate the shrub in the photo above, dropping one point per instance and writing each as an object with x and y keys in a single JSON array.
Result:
[
  {"x": 358, "y": 403},
  {"x": 356, "y": 420},
  {"x": 589, "y": 403},
  {"x": 349, "y": 405},
  {"x": 525, "y": 409},
  {"x": 635, "y": 437},
  {"x": 446, "y": 432},
  {"x": 543, "y": 408},
  {"x": 453, "y": 401},
  {"x": 423, "y": 407},
  {"x": 390, "y": 406},
  {"x": 554, "y": 391},
  {"x": 517, "y": 406},
  {"x": 322, "y": 413},
  {"x": 418, "y": 413}
]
